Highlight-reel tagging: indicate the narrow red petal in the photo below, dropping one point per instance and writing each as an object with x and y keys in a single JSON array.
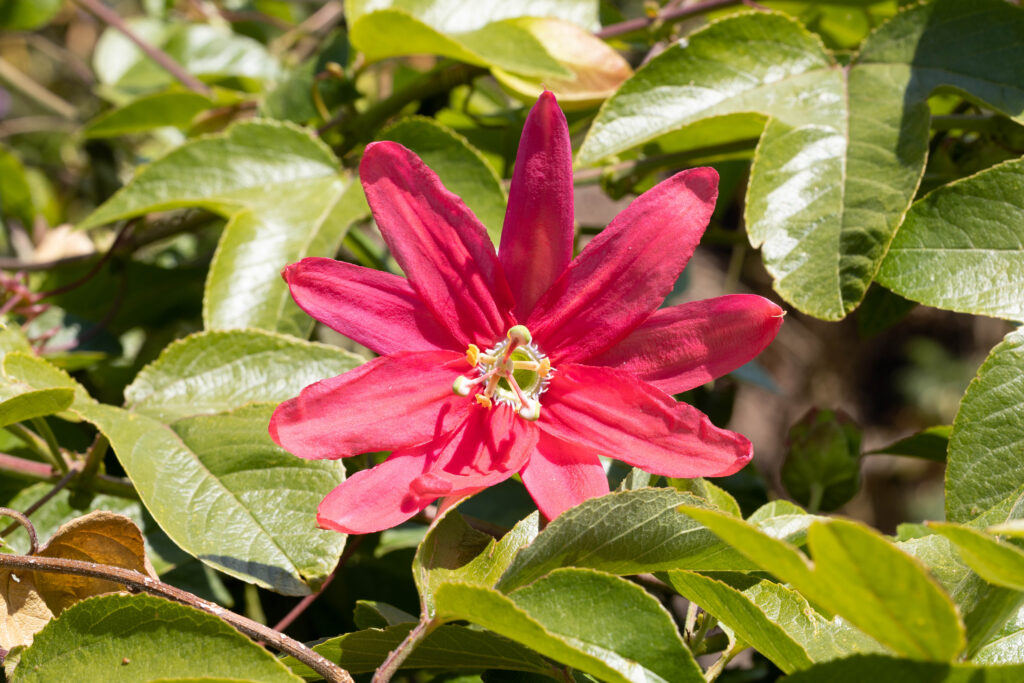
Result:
[
  {"x": 375, "y": 499},
  {"x": 613, "y": 413},
  {"x": 560, "y": 475},
  {"x": 439, "y": 243},
  {"x": 488, "y": 448},
  {"x": 625, "y": 273},
  {"x": 378, "y": 310},
  {"x": 682, "y": 347},
  {"x": 388, "y": 403},
  {"x": 536, "y": 241}
]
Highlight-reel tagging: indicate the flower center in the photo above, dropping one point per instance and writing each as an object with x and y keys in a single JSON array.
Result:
[{"x": 513, "y": 372}]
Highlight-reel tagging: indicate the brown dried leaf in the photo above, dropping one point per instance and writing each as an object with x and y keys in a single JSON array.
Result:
[
  {"x": 101, "y": 537},
  {"x": 22, "y": 611}
]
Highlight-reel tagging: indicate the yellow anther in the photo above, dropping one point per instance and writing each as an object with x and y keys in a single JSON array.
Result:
[
  {"x": 544, "y": 367},
  {"x": 473, "y": 354},
  {"x": 484, "y": 401}
]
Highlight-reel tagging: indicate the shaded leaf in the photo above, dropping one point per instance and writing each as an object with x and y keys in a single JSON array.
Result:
[
  {"x": 23, "y": 612},
  {"x": 446, "y": 647},
  {"x": 929, "y": 444}
]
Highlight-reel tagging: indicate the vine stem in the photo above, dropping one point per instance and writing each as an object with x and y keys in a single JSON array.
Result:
[
  {"x": 31, "y": 470},
  {"x": 395, "y": 658},
  {"x": 138, "y": 582},
  {"x": 716, "y": 669},
  {"x": 54, "y": 490},
  {"x": 667, "y": 15},
  {"x": 166, "y": 62}
]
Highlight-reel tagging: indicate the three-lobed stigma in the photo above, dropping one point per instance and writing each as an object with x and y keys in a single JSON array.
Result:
[{"x": 513, "y": 372}]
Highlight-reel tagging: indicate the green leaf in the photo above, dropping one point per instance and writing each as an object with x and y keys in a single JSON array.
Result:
[
  {"x": 15, "y": 192},
  {"x": 961, "y": 247},
  {"x": 20, "y": 402},
  {"x": 892, "y": 598},
  {"x": 226, "y": 472},
  {"x": 504, "y": 44},
  {"x": 146, "y": 113},
  {"x": 214, "y": 371},
  {"x": 461, "y": 167},
  {"x": 600, "y": 624},
  {"x": 843, "y": 152},
  {"x": 22, "y": 15},
  {"x": 453, "y": 551},
  {"x": 702, "y": 488},
  {"x": 774, "y": 620},
  {"x": 861, "y": 668},
  {"x": 209, "y": 52},
  {"x": 929, "y": 444},
  {"x": 446, "y": 647},
  {"x": 623, "y": 533},
  {"x": 995, "y": 561},
  {"x": 454, "y": 16},
  {"x": 986, "y": 447},
  {"x": 138, "y": 638},
  {"x": 822, "y": 465},
  {"x": 285, "y": 197},
  {"x": 1006, "y": 646}
]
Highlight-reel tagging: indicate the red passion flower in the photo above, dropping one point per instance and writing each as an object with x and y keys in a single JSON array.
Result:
[{"x": 521, "y": 360}]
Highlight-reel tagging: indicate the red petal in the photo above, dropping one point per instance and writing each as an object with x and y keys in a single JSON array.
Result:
[
  {"x": 627, "y": 271},
  {"x": 439, "y": 243},
  {"x": 378, "y": 310},
  {"x": 388, "y": 403},
  {"x": 375, "y": 499},
  {"x": 684, "y": 346},
  {"x": 559, "y": 476},
  {"x": 536, "y": 241},
  {"x": 488, "y": 448},
  {"x": 613, "y": 413}
]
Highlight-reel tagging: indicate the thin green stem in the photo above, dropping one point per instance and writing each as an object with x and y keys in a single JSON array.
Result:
[
  {"x": 35, "y": 443},
  {"x": 716, "y": 669},
  {"x": 395, "y": 658},
  {"x": 56, "y": 457},
  {"x": 35, "y": 92},
  {"x": 817, "y": 493},
  {"x": 93, "y": 460}
]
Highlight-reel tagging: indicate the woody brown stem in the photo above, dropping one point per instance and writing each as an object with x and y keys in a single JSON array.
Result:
[{"x": 138, "y": 582}]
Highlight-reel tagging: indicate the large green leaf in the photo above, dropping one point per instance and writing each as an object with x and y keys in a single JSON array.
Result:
[
  {"x": 209, "y": 372},
  {"x": 844, "y": 148},
  {"x": 286, "y": 199},
  {"x": 489, "y": 33},
  {"x": 462, "y": 168},
  {"x": 594, "y": 622},
  {"x": 217, "y": 484},
  {"x": 139, "y": 638},
  {"x": 446, "y": 647},
  {"x": 861, "y": 668},
  {"x": 995, "y": 561},
  {"x": 962, "y": 247},
  {"x": 1007, "y": 646},
  {"x": 860, "y": 576},
  {"x": 775, "y": 620},
  {"x": 633, "y": 532},
  {"x": 986, "y": 447}
]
